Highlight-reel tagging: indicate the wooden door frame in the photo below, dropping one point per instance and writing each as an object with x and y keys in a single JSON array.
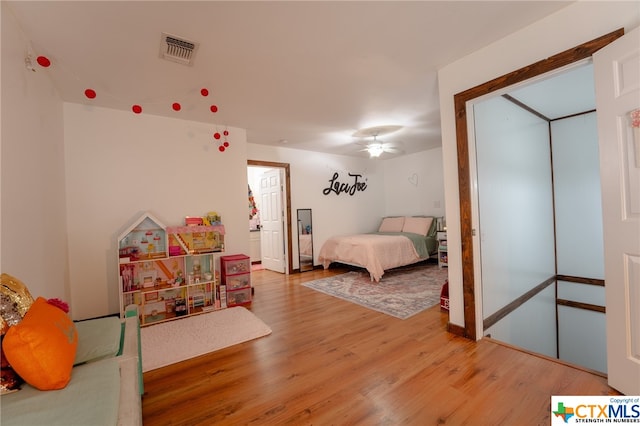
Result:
[
  {"x": 287, "y": 183},
  {"x": 560, "y": 60}
]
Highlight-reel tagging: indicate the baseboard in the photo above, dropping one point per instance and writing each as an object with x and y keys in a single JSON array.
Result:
[{"x": 456, "y": 329}]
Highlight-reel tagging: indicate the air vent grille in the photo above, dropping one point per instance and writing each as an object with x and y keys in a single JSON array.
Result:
[{"x": 177, "y": 49}]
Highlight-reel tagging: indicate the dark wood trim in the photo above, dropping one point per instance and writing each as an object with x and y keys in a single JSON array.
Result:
[
  {"x": 466, "y": 226},
  {"x": 569, "y": 56},
  {"x": 580, "y": 280},
  {"x": 562, "y": 59},
  {"x": 315, "y": 268},
  {"x": 287, "y": 174},
  {"x": 539, "y": 114},
  {"x": 526, "y": 107},
  {"x": 456, "y": 329},
  {"x": 580, "y": 305},
  {"x": 506, "y": 310},
  {"x": 555, "y": 234},
  {"x": 574, "y": 115}
]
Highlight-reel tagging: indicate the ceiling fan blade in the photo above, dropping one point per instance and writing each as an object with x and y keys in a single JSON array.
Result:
[{"x": 368, "y": 146}]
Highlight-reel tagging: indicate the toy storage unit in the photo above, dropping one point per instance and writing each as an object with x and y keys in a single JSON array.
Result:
[
  {"x": 235, "y": 276},
  {"x": 166, "y": 285}
]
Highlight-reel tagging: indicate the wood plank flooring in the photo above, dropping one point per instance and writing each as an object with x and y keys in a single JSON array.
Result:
[{"x": 330, "y": 362}]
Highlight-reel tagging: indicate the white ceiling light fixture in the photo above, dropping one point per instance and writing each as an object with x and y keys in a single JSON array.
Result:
[{"x": 376, "y": 148}]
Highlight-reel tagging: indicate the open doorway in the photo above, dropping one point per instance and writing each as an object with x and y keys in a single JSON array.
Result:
[
  {"x": 472, "y": 293},
  {"x": 270, "y": 229},
  {"x": 615, "y": 58},
  {"x": 548, "y": 286},
  {"x": 539, "y": 217}
]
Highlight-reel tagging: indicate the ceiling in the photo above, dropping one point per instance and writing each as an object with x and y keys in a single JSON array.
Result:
[
  {"x": 560, "y": 94},
  {"x": 305, "y": 74}
]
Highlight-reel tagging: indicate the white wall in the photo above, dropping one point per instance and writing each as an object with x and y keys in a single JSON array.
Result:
[
  {"x": 517, "y": 229},
  {"x": 390, "y": 189},
  {"x": 414, "y": 185},
  {"x": 513, "y": 163},
  {"x": 74, "y": 177},
  {"x": 578, "y": 201},
  {"x": 34, "y": 233},
  {"x": 582, "y": 334},
  {"x": 579, "y": 238},
  {"x": 332, "y": 214},
  {"x": 120, "y": 165},
  {"x": 518, "y": 329},
  {"x": 571, "y": 26}
]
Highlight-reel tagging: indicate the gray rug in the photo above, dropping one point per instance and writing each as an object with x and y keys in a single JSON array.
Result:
[
  {"x": 401, "y": 292},
  {"x": 177, "y": 340}
]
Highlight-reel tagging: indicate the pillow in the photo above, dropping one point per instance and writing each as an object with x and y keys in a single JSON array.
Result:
[
  {"x": 391, "y": 224},
  {"x": 98, "y": 338},
  {"x": 42, "y": 347},
  {"x": 9, "y": 313},
  {"x": 17, "y": 293},
  {"x": 417, "y": 225},
  {"x": 15, "y": 301}
]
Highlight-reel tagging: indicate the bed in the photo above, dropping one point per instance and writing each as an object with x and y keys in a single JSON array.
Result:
[{"x": 400, "y": 241}]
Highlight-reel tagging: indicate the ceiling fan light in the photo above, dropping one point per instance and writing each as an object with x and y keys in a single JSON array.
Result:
[{"x": 375, "y": 150}]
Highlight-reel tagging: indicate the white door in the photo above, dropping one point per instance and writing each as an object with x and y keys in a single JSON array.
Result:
[
  {"x": 271, "y": 220},
  {"x": 617, "y": 77}
]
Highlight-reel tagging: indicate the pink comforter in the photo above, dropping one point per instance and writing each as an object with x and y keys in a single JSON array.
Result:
[{"x": 374, "y": 252}]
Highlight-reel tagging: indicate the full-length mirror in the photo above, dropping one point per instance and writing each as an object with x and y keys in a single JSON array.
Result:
[{"x": 305, "y": 240}]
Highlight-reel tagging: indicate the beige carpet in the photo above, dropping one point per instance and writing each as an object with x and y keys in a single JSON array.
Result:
[{"x": 174, "y": 341}]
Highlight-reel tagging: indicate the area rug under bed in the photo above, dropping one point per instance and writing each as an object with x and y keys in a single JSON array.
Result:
[
  {"x": 401, "y": 292},
  {"x": 174, "y": 341}
]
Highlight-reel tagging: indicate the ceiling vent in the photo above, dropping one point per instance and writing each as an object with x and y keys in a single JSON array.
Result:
[{"x": 177, "y": 49}]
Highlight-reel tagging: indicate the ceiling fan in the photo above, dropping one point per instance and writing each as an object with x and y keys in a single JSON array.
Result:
[{"x": 375, "y": 148}]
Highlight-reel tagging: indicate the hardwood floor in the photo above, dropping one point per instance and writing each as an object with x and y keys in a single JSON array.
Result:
[{"x": 330, "y": 362}]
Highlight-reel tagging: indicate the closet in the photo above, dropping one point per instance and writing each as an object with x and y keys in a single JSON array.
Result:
[{"x": 537, "y": 201}]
